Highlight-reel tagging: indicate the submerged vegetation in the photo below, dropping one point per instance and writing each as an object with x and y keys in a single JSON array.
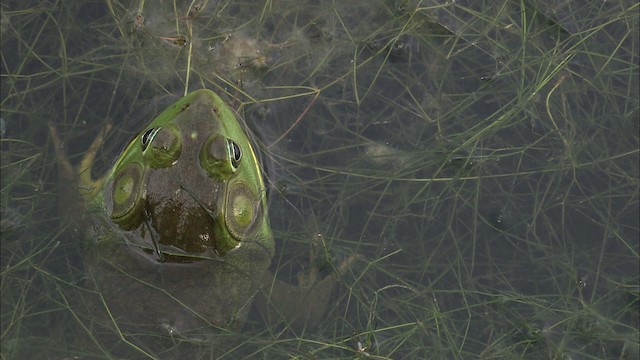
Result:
[{"x": 481, "y": 158}]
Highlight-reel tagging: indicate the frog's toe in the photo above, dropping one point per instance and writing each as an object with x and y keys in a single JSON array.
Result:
[
  {"x": 65, "y": 169},
  {"x": 323, "y": 286},
  {"x": 90, "y": 153},
  {"x": 314, "y": 302}
]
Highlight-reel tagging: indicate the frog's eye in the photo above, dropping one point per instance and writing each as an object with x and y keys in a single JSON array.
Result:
[
  {"x": 148, "y": 136},
  {"x": 161, "y": 146},
  {"x": 220, "y": 156},
  {"x": 235, "y": 152}
]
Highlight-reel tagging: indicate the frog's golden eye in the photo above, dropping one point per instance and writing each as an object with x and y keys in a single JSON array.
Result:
[{"x": 236, "y": 153}]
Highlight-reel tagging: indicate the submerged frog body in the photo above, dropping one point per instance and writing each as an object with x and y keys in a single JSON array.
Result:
[{"x": 177, "y": 232}]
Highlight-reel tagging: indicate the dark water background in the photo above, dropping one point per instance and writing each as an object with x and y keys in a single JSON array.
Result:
[{"x": 482, "y": 158}]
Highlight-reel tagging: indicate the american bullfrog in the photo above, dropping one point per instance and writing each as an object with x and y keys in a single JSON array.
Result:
[{"x": 177, "y": 233}]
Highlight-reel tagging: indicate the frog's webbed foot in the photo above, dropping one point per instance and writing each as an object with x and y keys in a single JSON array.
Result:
[
  {"x": 305, "y": 305},
  {"x": 66, "y": 172},
  {"x": 74, "y": 180}
]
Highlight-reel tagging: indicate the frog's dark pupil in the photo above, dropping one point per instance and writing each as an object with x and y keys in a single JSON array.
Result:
[
  {"x": 146, "y": 137},
  {"x": 236, "y": 153}
]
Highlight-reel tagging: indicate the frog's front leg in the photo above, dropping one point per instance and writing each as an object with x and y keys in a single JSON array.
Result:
[
  {"x": 76, "y": 181},
  {"x": 305, "y": 305}
]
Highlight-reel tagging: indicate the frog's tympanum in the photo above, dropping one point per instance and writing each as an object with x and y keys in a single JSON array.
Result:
[{"x": 177, "y": 232}]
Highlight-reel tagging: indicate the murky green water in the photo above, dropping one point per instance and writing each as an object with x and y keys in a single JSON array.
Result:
[{"x": 481, "y": 158}]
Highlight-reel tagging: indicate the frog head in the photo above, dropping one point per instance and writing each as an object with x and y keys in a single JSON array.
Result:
[{"x": 188, "y": 185}]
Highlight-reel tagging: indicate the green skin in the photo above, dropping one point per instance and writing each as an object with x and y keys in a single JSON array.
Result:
[{"x": 177, "y": 231}]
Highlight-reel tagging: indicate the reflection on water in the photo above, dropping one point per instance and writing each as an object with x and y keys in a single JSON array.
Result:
[{"x": 481, "y": 158}]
